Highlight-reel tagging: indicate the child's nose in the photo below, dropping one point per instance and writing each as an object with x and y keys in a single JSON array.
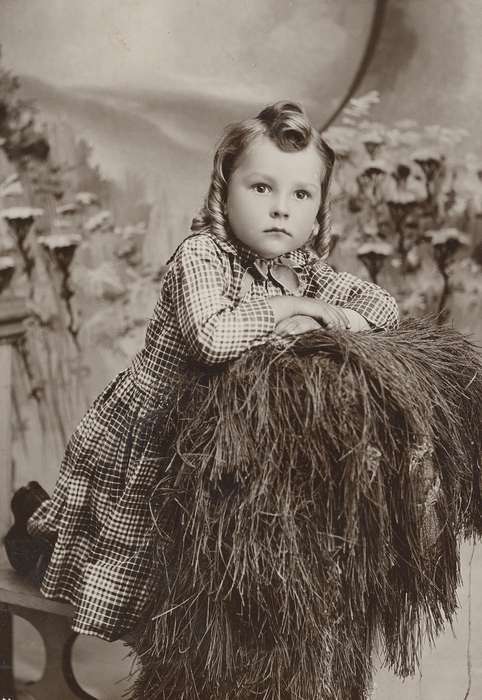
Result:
[{"x": 280, "y": 207}]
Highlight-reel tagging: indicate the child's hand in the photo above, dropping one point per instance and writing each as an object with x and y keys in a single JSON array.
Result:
[
  {"x": 356, "y": 321},
  {"x": 328, "y": 315},
  {"x": 296, "y": 325}
]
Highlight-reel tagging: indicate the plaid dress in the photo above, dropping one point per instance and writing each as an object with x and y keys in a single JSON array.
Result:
[{"x": 212, "y": 307}]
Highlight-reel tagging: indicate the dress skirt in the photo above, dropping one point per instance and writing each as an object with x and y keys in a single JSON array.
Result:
[{"x": 99, "y": 512}]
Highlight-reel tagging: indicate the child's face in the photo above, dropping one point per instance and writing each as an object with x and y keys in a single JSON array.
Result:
[{"x": 274, "y": 197}]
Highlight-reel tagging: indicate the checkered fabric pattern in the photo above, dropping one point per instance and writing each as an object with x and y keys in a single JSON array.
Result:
[{"x": 212, "y": 307}]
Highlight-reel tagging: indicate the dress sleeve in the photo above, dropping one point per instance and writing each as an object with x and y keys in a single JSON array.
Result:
[
  {"x": 215, "y": 326},
  {"x": 372, "y": 302}
]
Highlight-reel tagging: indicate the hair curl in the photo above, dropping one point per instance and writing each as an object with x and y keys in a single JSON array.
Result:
[{"x": 288, "y": 126}]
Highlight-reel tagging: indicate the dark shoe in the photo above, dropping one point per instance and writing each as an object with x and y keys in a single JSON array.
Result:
[
  {"x": 28, "y": 555},
  {"x": 26, "y": 500}
]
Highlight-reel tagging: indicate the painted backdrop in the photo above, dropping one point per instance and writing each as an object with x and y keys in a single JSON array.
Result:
[{"x": 150, "y": 85}]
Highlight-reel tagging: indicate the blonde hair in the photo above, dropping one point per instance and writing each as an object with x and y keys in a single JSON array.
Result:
[{"x": 288, "y": 126}]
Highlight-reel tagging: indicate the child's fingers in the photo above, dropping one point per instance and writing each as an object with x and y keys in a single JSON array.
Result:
[
  {"x": 330, "y": 315},
  {"x": 335, "y": 318},
  {"x": 295, "y": 325},
  {"x": 286, "y": 327},
  {"x": 281, "y": 327},
  {"x": 357, "y": 321}
]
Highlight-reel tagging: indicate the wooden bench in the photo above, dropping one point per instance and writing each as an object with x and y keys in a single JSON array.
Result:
[
  {"x": 52, "y": 620},
  {"x": 17, "y": 596}
]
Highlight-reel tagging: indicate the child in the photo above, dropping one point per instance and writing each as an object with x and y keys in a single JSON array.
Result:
[{"x": 253, "y": 267}]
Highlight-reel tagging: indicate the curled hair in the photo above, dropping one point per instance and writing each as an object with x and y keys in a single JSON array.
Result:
[{"x": 288, "y": 126}]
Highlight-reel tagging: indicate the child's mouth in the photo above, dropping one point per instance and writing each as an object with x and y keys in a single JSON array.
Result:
[{"x": 277, "y": 230}]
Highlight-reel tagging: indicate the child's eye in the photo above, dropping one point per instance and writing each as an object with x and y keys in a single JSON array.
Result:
[
  {"x": 302, "y": 194},
  {"x": 260, "y": 187}
]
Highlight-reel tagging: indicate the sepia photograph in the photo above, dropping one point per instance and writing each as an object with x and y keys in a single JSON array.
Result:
[{"x": 240, "y": 350}]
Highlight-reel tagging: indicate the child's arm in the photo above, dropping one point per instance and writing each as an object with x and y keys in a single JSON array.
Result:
[
  {"x": 336, "y": 317},
  {"x": 367, "y": 300},
  {"x": 215, "y": 326}
]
